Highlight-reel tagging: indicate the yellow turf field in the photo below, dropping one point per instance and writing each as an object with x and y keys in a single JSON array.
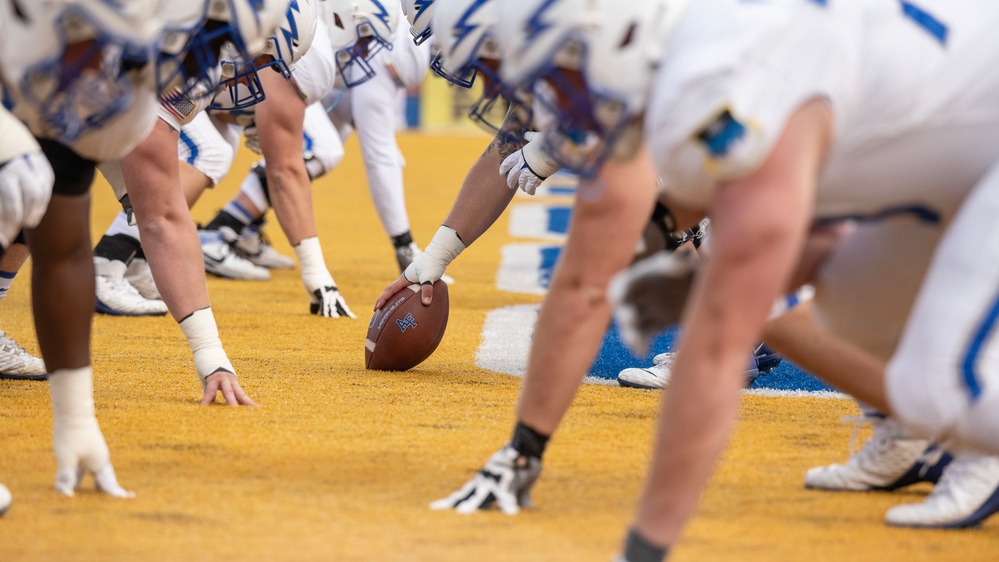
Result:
[{"x": 339, "y": 464}]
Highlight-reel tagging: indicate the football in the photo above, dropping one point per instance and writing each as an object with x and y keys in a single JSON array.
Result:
[{"x": 404, "y": 332}]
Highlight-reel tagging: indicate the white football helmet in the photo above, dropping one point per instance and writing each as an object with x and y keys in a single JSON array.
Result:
[
  {"x": 420, "y": 14},
  {"x": 359, "y": 29},
  {"x": 598, "y": 57},
  {"x": 465, "y": 34},
  {"x": 198, "y": 30},
  {"x": 73, "y": 65},
  {"x": 281, "y": 51}
]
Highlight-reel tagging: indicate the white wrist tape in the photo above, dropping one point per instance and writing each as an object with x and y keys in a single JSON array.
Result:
[
  {"x": 72, "y": 392},
  {"x": 203, "y": 336},
  {"x": 537, "y": 159},
  {"x": 445, "y": 246},
  {"x": 310, "y": 256},
  {"x": 785, "y": 303},
  {"x": 315, "y": 274}
]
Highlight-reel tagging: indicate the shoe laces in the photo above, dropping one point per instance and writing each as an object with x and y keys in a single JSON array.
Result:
[
  {"x": 878, "y": 443},
  {"x": 929, "y": 458}
]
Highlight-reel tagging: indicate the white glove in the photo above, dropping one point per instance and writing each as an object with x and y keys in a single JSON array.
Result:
[
  {"x": 327, "y": 301},
  {"x": 506, "y": 480},
  {"x": 25, "y": 190},
  {"x": 429, "y": 266},
  {"x": 529, "y": 166},
  {"x": 77, "y": 439},
  {"x": 651, "y": 295}
]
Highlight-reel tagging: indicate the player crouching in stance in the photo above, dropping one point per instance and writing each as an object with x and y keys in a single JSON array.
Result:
[
  {"x": 80, "y": 75},
  {"x": 764, "y": 137}
]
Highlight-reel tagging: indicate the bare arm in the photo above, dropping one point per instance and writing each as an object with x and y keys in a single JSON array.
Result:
[
  {"x": 279, "y": 123},
  {"x": 759, "y": 224},
  {"x": 483, "y": 197}
]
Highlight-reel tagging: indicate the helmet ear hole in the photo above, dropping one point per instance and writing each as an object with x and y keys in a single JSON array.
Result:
[{"x": 337, "y": 21}]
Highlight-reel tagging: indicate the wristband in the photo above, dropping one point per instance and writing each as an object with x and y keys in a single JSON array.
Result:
[
  {"x": 445, "y": 246},
  {"x": 203, "y": 336}
]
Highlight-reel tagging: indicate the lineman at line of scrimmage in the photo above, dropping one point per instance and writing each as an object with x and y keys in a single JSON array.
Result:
[
  {"x": 610, "y": 50},
  {"x": 183, "y": 65},
  {"x": 87, "y": 89}
]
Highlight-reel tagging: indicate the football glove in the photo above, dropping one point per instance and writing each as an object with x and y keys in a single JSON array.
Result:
[
  {"x": 25, "y": 190},
  {"x": 76, "y": 438},
  {"x": 328, "y": 302},
  {"x": 506, "y": 481},
  {"x": 650, "y": 295},
  {"x": 527, "y": 168}
]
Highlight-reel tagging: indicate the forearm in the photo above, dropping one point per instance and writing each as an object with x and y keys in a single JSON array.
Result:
[
  {"x": 291, "y": 197},
  {"x": 845, "y": 366},
  {"x": 169, "y": 235},
  {"x": 482, "y": 199}
]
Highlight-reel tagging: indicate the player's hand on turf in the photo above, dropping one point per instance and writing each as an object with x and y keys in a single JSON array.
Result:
[
  {"x": 25, "y": 190},
  {"x": 80, "y": 449},
  {"x": 506, "y": 481},
  {"x": 329, "y": 303},
  {"x": 650, "y": 295},
  {"x": 228, "y": 384},
  {"x": 324, "y": 298}
]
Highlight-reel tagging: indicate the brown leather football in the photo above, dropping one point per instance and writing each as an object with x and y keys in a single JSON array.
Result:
[{"x": 403, "y": 333}]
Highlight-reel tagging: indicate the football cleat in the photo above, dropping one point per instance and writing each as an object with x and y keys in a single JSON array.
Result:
[
  {"x": 404, "y": 255},
  {"x": 658, "y": 375},
  {"x": 889, "y": 460},
  {"x": 17, "y": 363},
  {"x": 252, "y": 244},
  {"x": 966, "y": 494},
  {"x": 140, "y": 276},
  {"x": 221, "y": 260},
  {"x": 117, "y": 297}
]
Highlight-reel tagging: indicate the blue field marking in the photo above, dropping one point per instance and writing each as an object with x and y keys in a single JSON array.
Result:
[
  {"x": 614, "y": 356},
  {"x": 528, "y": 267}
]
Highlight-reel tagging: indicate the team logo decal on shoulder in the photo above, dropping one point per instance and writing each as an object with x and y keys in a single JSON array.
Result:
[
  {"x": 722, "y": 134},
  {"x": 732, "y": 146}
]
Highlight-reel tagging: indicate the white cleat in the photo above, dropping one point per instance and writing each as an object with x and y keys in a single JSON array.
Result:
[
  {"x": 17, "y": 363},
  {"x": 253, "y": 245},
  {"x": 656, "y": 376},
  {"x": 404, "y": 255},
  {"x": 889, "y": 460},
  {"x": 221, "y": 260},
  {"x": 140, "y": 276},
  {"x": 117, "y": 297},
  {"x": 966, "y": 495}
]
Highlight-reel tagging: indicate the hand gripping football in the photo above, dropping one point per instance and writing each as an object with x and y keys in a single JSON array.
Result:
[{"x": 404, "y": 332}]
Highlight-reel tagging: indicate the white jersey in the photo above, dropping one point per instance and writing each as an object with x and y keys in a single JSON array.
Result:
[
  {"x": 114, "y": 139},
  {"x": 902, "y": 82}
]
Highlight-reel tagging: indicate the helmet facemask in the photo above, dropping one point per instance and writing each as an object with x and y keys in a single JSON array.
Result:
[{"x": 91, "y": 79}]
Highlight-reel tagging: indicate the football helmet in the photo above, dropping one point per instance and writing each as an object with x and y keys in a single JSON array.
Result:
[
  {"x": 465, "y": 35},
  {"x": 419, "y": 13},
  {"x": 73, "y": 65},
  {"x": 280, "y": 52},
  {"x": 196, "y": 32},
  {"x": 359, "y": 29},
  {"x": 598, "y": 57}
]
